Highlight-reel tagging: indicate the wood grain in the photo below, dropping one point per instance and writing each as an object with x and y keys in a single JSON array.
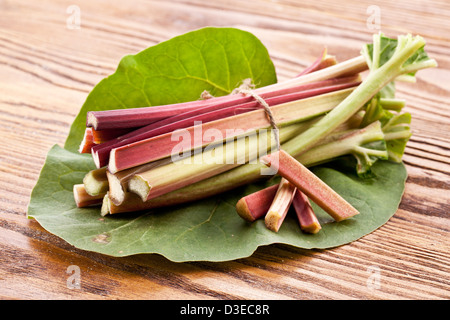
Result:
[{"x": 47, "y": 70}]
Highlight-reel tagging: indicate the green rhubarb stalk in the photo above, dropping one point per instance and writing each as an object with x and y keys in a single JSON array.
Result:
[
  {"x": 363, "y": 144},
  {"x": 118, "y": 182},
  {"x": 392, "y": 104},
  {"x": 341, "y": 144},
  {"x": 213, "y": 160},
  {"x": 402, "y": 61},
  {"x": 164, "y": 145},
  {"x": 349, "y": 67},
  {"x": 96, "y": 182}
]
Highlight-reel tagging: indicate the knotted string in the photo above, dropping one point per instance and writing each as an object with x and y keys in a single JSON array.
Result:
[{"x": 246, "y": 88}]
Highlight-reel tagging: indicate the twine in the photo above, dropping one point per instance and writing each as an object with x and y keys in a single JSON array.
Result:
[{"x": 246, "y": 88}]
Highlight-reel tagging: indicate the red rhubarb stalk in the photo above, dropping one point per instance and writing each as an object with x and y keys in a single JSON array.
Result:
[
  {"x": 305, "y": 214},
  {"x": 257, "y": 204},
  {"x": 210, "y": 113},
  {"x": 137, "y": 117},
  {"x": 304, "y": 91},
  {"x": 317, "y": 190},
  {"x": 280, "y": 205},
  {"x": 101, "y": 136},
  {"x": 88, "y": 141},
  {"x": 162, "y": 146}
]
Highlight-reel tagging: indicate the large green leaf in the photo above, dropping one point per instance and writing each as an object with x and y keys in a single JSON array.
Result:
[
  {"x": 209, "y": 229},
  {"x": 217, "y": 60},
  {"x": 179, "y": 70}
]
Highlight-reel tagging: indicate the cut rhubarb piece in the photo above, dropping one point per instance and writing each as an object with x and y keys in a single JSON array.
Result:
[
  {"x": 118, "y": 182},
  {"x": 84, "y": 199},
  {"x": 162, "y": 146},
  {"x": 131, "y": 203},
  {"x": 257, "y": 204},
  {"x": 306, "y": 217},
  {"x": 280, "y": 205},
  {"x": 88, "y": 141},
  {"x": 318, "y": 191},
  {"x": 101, "y": 136},
  {"x": 96, "y": 182}
]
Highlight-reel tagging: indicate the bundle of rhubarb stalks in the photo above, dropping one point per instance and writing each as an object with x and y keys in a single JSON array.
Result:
[{"x": 172, "y": 154}]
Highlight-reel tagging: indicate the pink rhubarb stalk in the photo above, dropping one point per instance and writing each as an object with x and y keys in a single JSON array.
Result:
[
  {"x": 101, "y": 136},
  {"x": 162, "y": 146},
  {"x": 321, "y": 62},
  {"x": 305, "y": 214},
  {"x": 88, "y": 141},
  {"x": 101, "y": 152},
  {"x": 257, "y": 204},
  {"x": 138, "y": 117}
]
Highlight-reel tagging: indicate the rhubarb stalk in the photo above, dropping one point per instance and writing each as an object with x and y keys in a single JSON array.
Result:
[
  {"x": 162, "y": 146},
  {"x": 137, "y": 117},
  {"x": 306, "y": 217},
  {"x": 88, "y": 141},
  {"x": 96, "y": 182},
  {"x": 378, "y": 77},
  {"x": 342, "y": 144},
  {"x": 257, "y": 204},
  {"x": 280, "y": 205},
  {"x": 210, "y": 113},
  {"x": 84, "y": 199}
]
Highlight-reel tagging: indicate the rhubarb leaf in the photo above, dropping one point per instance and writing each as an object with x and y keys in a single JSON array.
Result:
[
  {"x": 209, "y": 229},
  {"x": 179, "y": 70}
]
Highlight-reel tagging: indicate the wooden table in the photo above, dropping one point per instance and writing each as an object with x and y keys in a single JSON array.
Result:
[{"x": 49, "y": 61}]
